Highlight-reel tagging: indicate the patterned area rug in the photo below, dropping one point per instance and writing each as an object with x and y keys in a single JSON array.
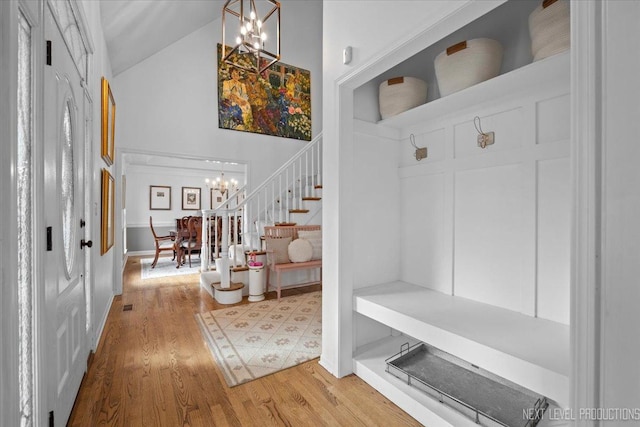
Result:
[
  {"x": 257, "y": 339},
  {"x": 165, "y": 268}
]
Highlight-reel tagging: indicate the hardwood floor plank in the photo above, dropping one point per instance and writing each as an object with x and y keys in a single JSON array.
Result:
[{"x": 152, "y": 367}]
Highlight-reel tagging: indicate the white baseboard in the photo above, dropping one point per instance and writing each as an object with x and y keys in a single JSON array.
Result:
[
  {"x": 101, "y": 326},
  {"x": 141, "y": 253}
]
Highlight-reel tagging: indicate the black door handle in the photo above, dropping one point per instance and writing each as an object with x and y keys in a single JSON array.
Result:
[{"x": 87, "y": 244}]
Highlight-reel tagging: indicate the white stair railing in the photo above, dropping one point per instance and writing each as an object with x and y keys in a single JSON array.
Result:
[{"x": 240, "y": 221}]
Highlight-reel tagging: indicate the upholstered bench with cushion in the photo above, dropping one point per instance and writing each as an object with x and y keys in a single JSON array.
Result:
[{"x": 291, "y": 248}]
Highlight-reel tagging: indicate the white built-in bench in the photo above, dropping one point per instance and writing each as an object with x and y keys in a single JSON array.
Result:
[{"x": 529, "y": 351}]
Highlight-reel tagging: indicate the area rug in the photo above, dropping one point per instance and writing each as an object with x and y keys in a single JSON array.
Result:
[
  {"x": 166, "y": 267},
  {"x": 257, "y": 339}
]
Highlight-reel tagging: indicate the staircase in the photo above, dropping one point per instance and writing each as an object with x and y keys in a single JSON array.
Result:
[{"x": 292, "y": 194}]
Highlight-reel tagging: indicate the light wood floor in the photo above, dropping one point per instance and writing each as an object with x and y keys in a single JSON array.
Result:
[{"x": 153, "y": 368}]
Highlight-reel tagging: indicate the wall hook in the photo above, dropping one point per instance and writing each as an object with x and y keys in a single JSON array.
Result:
[
  {"x": 484, "y": 139},
  {"x": 421, "y": 152}
]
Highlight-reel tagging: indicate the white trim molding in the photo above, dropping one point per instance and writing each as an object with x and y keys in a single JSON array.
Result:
[{"x": 586, "y": 119}]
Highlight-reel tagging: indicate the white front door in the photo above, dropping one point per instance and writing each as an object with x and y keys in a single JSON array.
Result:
[{"x": 66, "y": 336}]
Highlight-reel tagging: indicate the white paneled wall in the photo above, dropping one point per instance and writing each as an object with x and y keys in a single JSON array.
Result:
[{"x": 492, "y": 225}]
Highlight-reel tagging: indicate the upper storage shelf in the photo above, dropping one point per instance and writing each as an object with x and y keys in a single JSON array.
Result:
[
  {"x": 508, "y": 23},
  {"x": 539, "y": 75}
]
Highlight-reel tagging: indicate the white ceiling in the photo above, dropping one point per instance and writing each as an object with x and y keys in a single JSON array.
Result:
[{"x": 135, "y": 30}]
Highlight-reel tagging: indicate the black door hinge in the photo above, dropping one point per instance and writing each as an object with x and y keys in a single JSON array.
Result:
[
  {"x": 48, "y": 52},
  {"x": 49, "y": 239},
  {"x": 51, "y": 424}
]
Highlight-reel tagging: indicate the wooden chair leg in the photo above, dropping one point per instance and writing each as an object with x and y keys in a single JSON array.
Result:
[
  {"x": 278, "y": 277},
  {"x": 155, "y": 260},
  {"x": 267, "y": 287}
]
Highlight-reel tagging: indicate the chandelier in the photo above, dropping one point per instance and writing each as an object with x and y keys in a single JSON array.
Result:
[
  {"x": 252, "y": 48},
  {"x": 222, "y": 185}
]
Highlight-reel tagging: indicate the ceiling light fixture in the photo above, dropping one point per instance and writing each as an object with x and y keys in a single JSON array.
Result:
[
  {"x": 251, "y": 46},
  {"x": 222, "y": 185}
]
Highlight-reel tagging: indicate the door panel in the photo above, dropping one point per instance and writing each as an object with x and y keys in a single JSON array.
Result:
[{"x": 64, "y": 205}]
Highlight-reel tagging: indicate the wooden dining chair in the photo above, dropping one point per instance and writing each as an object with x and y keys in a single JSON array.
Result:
[
  {"x": 194, "y": 242},
  {"x": 163, "y": 243}
]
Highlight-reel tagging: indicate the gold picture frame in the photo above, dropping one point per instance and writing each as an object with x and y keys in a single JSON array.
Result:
[
  {"x": 108, "y": 212},
  {"x": 108, "y": 123}
]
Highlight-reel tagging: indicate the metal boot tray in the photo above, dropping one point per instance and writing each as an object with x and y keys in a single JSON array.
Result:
[{"x": 484, "y": 397}]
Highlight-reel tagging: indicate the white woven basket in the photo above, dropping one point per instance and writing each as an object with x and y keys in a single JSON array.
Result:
[
  {"x": 401, "y": 94},
  {"x": 479, "y": 61},
  {"x": 549, "y": 29}
]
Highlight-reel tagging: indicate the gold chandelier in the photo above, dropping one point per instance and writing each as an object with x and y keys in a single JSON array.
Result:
[
  {"x": 251, "y": 34},
  {"x": 222, "y": 185}
]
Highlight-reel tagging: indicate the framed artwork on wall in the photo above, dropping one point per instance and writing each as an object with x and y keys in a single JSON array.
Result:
[
  {"x": 107, "y": 230},
  {"x": 275, "y": 102},
  {"x": 108, "y": 123},
  {"x": 159, "y": 197},
  {"x": 217, "y": 198},
  {"x": 191, "y": 199}
]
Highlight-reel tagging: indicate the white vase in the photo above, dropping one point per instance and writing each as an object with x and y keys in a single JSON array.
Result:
[{"x": 222, "y": 266}]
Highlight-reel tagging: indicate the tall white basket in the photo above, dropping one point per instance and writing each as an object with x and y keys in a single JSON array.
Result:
[
  {"x": 467, "y": 63},
  {"x": 549, "y": 28},
  {"x": 401, "y": 94}
]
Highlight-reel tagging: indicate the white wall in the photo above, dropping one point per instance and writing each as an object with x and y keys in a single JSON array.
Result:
[
  {"x": 139, "y": 178},
  {"x": 168, "y": 103},
  {"x": 492, "y": 225},
  {"x": 102, "y": 273}
]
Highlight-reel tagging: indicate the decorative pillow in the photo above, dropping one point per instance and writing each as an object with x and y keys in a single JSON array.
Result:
[
  {"x": 300, "y": 250},
  {"x": 315, "y": 238},
  {"x": 279, "y": 246}
]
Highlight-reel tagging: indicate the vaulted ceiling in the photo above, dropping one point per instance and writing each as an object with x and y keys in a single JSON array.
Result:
[{"x": 135, "y": 30}]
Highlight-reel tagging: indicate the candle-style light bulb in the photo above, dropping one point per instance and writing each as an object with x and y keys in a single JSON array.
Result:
[
  {"x": 253, "y": 15},
  {"x": 263, "y": 36}
]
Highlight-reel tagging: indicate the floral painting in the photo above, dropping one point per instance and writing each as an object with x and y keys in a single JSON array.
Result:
[{"x": 276, "y": 102}]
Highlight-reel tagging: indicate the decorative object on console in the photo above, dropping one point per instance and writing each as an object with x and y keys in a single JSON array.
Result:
[
  {"x": 549, "y": 28},
  {"x": 108, "y": 123},
  {"x": 467, "y": 63},
  {"x": 256, "y": 34},
  {"x": 400, "y": 94},
  {"x": 190, "y": 198},
  {"x": 275, "y": 102}
]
